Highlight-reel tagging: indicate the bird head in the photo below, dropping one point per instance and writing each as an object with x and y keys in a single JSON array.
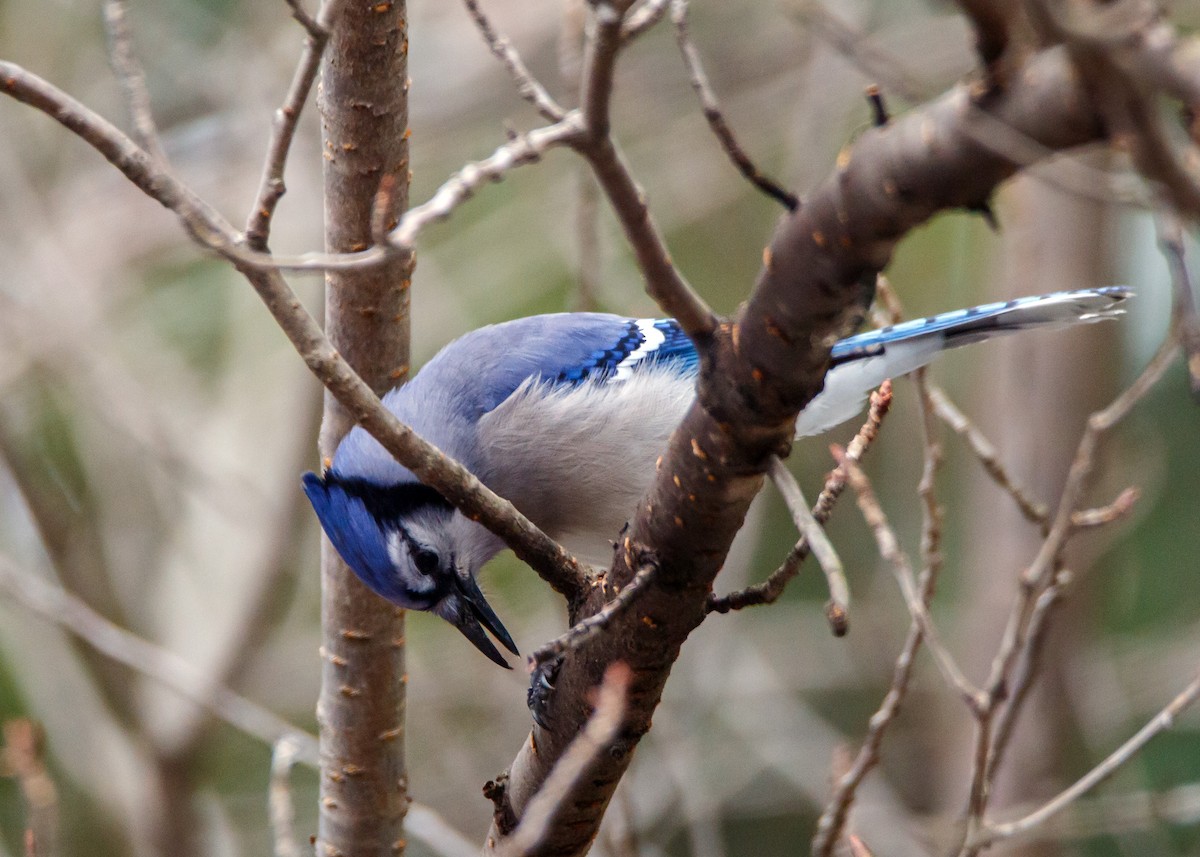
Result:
[{"x": 409, "y": 545}]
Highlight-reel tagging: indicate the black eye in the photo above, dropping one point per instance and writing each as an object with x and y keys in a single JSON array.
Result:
[{"x": 426, "y": 561}]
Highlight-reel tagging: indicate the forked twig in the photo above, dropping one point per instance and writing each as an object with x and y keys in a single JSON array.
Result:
[
  {"x": 889, "y": 550},
  {"x": 837, "y": 610},
  {"x": 271, "y": 186},
  {"x": 132, "y": 79},
  {"x": 769, "y": 590},
  {"x": 1161, "y": 722},
  {"x": 833, "y": 819},
  {"x": 587, "y": 628}
]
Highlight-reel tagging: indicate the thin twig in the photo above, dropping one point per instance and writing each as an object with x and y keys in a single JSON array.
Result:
[
  {"x": 1081, "y": 467},
  {"x": 212, "y": 231},
  {"x": 1170, "y": 239},
  {"x": 1040, "y": 583},
  {"x": 71, "y": 614},
  {"x": 271, "y": 187},
  {"x": 716, "y": 118},
  {"x": 599, "y": 66},
  {"x": 641, "y": 19},
  {"x": 664, "y": 283},
  {"x": 601, "y": 730},
  {"x": 837, "y": 811},
  {"x": 1024, "y": 673},
  {"x": 526, "y": 148},
  {"x": 132, "y": 79},
  {"x": 879, "y": 111},
  {"x": 889, "y": 550},
  {"x": 1103, "y": 515},
  {"x": 1033, "y": 510},
  {"x": 837, "y": 610},
  {"x": 528, "y": 86},
  {"x": 769, "y": 590},
  {"x": 1161, "y": 722},
  {"x": 584, "y": 630}
]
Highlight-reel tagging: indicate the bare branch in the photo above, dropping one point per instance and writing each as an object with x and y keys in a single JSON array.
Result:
[
  {"x": 664, "y": 283},
  {"x": 73, "y": 615},
  {"x": 837, "y": 610},
  {"x": 889, "y": 549},
  {"x": 587, "y": 628},
  {"x": 600, "y": 732},
  {"x": 287, "y": 118},
  {"x": 132, "y": 79},
  {"x": 768, "y": 591},
  {"x": 599, "y": 66},
  {"x": 1033, "y": 510},
  {"x": 1104, "y": 515},
  {"x": 211, "y": 230},
  {"x": 716, "y": 118},
  {"x": 1023, "y": 675},
  {"x": 1161, "y": 722},
  {"x": 526, "y": 148},
  {"x": 833, "y": 819},
  {"x": 1041, "y": 585},
  {"x": 528, "y": 86},
  {"x": 1081, "y": 468},
  {"x": 1126, "y": 100}
]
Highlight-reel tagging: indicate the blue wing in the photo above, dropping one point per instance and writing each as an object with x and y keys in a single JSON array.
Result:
[
  {"x": 644, "y": 343},
  {"x": 486, "y": 366}
]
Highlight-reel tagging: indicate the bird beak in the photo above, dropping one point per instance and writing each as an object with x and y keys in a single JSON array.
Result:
[{"x": 467, "y": 610}]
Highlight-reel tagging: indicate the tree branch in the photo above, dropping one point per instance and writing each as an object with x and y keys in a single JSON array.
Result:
[
  {"x": 758, "y": 371},
  {"x": 271, "y": 187},
  {"x": 769, "y": 590},
  {"x": 716, "y": 118},
  {"x": 1161, "y": 722}
]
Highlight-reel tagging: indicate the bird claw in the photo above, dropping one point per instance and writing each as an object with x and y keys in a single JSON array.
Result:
[{"x": 542, "y": 679}]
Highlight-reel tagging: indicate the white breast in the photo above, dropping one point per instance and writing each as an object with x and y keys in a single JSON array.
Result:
[{"x": 576, "y": 460}]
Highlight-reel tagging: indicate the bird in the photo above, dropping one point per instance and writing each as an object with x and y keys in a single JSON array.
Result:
[{"x": 565, "y": 415}]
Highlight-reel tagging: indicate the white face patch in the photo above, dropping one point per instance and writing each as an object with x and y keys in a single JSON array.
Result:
[
  {"x": 398, "y": 553},
  {"x": 652, "y": 340}
]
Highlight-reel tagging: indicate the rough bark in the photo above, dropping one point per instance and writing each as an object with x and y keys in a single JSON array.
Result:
[{"x": 364, "y": 108}]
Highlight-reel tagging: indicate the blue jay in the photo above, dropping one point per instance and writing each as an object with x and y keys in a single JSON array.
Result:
[{"x": 564, "y": 415}]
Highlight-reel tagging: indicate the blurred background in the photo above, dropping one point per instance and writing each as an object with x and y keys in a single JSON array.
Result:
[{"x": 154, "y": 425}]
